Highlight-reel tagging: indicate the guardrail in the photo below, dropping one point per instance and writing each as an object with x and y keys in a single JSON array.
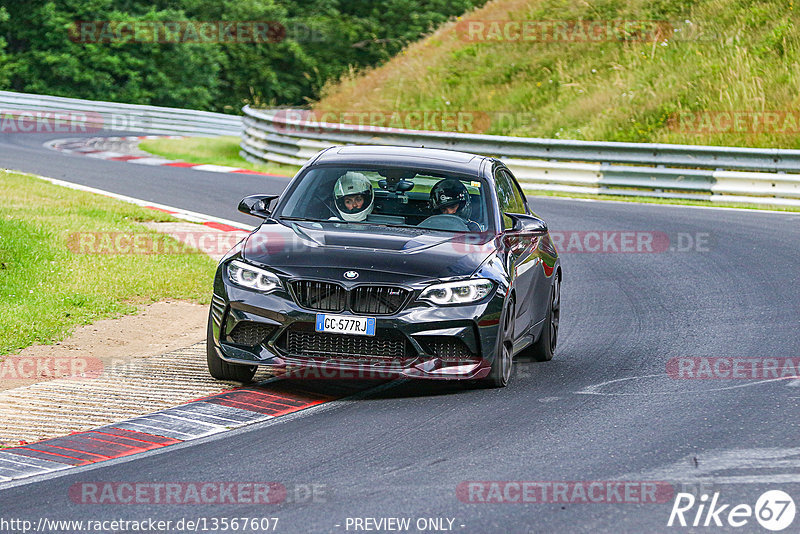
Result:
[
  {"x": 719, "y": 174},
  {"x": 92, "y": 115}
]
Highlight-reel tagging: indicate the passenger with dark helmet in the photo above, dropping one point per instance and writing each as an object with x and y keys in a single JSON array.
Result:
[{"x": 450, "y": 197}]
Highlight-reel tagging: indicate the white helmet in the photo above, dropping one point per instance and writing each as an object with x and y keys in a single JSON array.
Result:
[{"x": 353, "y": 183}]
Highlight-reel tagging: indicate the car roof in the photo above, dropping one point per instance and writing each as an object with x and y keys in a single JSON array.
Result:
[{"x": 432, "y": 158}]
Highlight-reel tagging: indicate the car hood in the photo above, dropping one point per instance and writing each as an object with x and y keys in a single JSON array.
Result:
[{"x": 378, "y": 253}]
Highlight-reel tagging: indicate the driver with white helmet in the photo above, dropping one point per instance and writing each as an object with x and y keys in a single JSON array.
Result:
[{"x": 353, "y": 196}]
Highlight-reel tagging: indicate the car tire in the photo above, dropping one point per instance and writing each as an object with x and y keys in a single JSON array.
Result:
[
  {"x": 222, "y": 370},
  {"x": 503, "y": 362},
  {"x": 545, "y": 347}
]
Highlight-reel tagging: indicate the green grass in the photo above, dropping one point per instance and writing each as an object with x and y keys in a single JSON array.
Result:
[
  {"x": 46, "y": 290},
  {"x": 222, "y": 150},
  {"x": 735, "y": 55}
]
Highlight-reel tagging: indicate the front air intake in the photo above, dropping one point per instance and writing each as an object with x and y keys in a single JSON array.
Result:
[
  {"x": 250, "y": 333},
  {"x": 321, "y": 296},
  {"x": 377, "y": 300}
]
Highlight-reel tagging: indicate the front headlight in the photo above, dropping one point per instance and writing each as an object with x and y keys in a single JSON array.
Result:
[
  {"x": 463, "y": 292},
  {"x": 245, "y": 275}
]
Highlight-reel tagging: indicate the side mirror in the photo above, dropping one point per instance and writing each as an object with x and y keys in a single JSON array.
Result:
[
  {"x": 527, "y": 225},
  {"x": 257, "y": 205}
]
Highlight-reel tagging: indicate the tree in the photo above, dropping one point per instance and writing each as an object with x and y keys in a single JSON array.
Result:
[{"x": 49, "y": 53}]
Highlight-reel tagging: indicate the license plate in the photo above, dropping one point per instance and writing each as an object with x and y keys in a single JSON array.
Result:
[{"x": 345, "y": 324}]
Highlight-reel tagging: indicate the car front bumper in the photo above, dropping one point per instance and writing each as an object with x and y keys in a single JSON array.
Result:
[{"x": 445, "y": 343}]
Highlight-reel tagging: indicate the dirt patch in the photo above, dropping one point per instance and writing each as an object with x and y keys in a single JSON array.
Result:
[{"x": 157, "y": 328}]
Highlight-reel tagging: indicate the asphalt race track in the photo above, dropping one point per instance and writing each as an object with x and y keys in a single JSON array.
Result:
[
  {"x": 604, "y": 409},
  {"x": 204, "y": 192}
]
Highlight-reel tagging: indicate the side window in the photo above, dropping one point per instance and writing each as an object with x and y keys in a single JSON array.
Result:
[
  {"x": 508, "y": 196},
  {"x": 519, "y": 202}
]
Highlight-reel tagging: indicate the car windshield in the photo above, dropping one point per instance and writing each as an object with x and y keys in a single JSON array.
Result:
[{"x": 390, "y": 196}]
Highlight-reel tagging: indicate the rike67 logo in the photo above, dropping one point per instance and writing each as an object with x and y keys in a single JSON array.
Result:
[{"x": 774, "y": 510}]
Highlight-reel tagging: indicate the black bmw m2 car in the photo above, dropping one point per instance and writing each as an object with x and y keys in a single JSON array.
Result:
[{"x": 391, "y": 262}]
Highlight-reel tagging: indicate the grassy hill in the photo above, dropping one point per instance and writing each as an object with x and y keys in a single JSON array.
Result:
[{"x": 720, "y": 72}]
